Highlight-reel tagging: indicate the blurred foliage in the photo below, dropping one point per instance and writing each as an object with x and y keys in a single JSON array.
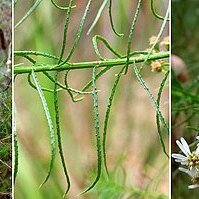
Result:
[
  {"x": 185, "y": 95},
  {"x": 144, "y": 164}
]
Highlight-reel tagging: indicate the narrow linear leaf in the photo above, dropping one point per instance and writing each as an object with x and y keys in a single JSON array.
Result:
[
  {"x": 111, "y": 20},
  {"x": 26, "y": 56},
  {"x": 97, "y": 16},
  {"x": 105, "y": 42},
  {"x": 59, "y": 138},
  {"x": 35, "y": 5},
  {"x": 79, "y": 32},
  {"x": 60, "y": 7},
  {"x": 56, "y": 103},
  {"x": 97, "y": 132},
  {"x": 155, "y": 13},
  {"x": 106, "y": 120},
  {"x": 42, "y": 88},
  {"x": 140, "y": 79},
  {"x": 68, "y": 12},
  {"x": 130, "y": 37},
  {"x": 35, "y": 53},
  {"x": 157, "y": 116},
  {"x": 50, "y": 125}
]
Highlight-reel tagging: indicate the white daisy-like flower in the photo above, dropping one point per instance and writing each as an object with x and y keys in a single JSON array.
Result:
[
  {"x": 194, "y": 174},
  {"x": 189, "y": 158},
  {"x": 183, "y": 159}
]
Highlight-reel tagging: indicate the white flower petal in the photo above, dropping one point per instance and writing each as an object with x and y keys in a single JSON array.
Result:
[
  {"x": 177, "y": 160},
  {"x": 187, "y": 171},
  {"x": 178, "y": 156},
  {"x": 191, "y": 172},
  {"x": 186, "y": 146},
  {"x": 182, "y": 163},
  {"x": 193, "y": 186},
  {"x": 180, "y": 160},
  {"x": 197, "y": 150},
  {"x": 181, "y": 147}
]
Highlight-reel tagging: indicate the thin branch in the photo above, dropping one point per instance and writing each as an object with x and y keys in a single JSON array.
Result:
[{"x": 104, "y": 63}]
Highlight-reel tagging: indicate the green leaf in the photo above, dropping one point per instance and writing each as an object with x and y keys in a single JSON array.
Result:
[{"x": 50, "y": 124}]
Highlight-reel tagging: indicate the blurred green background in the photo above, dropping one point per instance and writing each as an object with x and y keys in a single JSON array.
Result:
[
  {"x": 138, "y": 167},
  {"x": 185, "y": 86}
]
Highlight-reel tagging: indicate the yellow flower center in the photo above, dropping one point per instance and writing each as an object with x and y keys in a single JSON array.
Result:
[{"x": 193, "y": 160}]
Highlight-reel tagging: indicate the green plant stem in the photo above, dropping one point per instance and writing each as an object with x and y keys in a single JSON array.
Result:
[{"x": 104, "y": 63}]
